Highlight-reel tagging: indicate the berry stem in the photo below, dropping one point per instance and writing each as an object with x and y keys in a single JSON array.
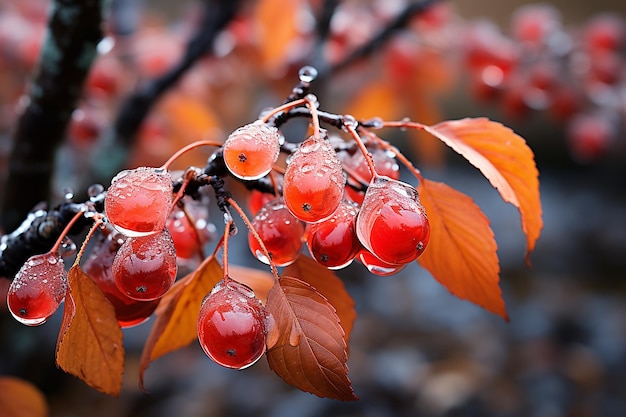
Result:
[
  {"x": 188, "y": 176},
  {"x": 315, "y": 119},
  {"x": 389, "y": 147},
  {"x": 362, "y": 148},
  {"x": 283, "y": 108},
  {"x": 65, "y": 231},
  {"x": 187, "y": 148},
  {"x": 229, "y": 224},
  {"x": 248, "y": 223},
  {"x": 90, "y": 234},
  {"x": 404, "y": 124}
]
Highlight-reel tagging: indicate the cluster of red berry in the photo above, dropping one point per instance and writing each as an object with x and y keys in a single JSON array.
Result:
[
  {"x": 376, "y": 219},
  {"x": 577, "y": 77}
]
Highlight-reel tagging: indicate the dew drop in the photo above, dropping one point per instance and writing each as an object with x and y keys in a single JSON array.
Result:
[
  {"x": 68, "y": 194},
  {"x": 307, "y": 74},
  {"x": 350, "y": 122}
]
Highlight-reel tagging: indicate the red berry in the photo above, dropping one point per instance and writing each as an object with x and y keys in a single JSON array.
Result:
[
  {"x": 145, "y": 266},
  {"x": 185, "y": 235},
  {"x": 38, "y": 289},
  {"x": 604, "y": 32},
  {"x": 384, "y": 162},
  {"x": 333, "y": 242},
  {"x": 376, "y": 266},
  {"x": 257, "y": 199},
  {"x": 129, "y": 312},
  {"x": 251, "y": 151},
  {"x": 313, "y": 183},
  {"x": 231, "y": 325},
  {"x": 589, "y": 137},
  {"x": 280, "y": 231},
  {"x": 534, "y": 23},
  {"x": 138, "y": 201},
  {"x": 392, "y": 224}
]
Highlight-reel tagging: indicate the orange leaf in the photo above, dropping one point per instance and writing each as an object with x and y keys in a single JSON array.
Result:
[
  {"x": 505, "y": 160},
  {"x": 90, "y": 344},
  {"x": 461, "y": 254},
  {"x": 329, "y": 285},
  {"x": 377, "y": 99},
  {"x": 306, "y": 345},
  {"x": 277, "y": 29},
  {"x": 19, "y": 398},
  {"x": 177, "y": 313}
]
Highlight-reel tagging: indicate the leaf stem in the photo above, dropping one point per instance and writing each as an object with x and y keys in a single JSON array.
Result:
[{"x": 256, "y": 236}]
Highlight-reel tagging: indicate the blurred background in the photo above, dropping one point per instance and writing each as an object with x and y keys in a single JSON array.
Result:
[{"x": 416, "y": 350}]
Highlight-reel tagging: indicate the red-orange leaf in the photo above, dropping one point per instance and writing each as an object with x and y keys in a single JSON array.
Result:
[
  {"x": 90, "y": 344},
  {"x": 306, "y": 345},
  {"x": 329, "y": 285},
  {"x": 461, "y": 254},
  {"x": 505, "y": 160},
  {"x": 177, "y": 313},
  {"x": 19, "y": 398}
]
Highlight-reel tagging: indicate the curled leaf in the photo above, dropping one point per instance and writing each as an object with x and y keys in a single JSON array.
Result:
[
  {"x": 461, "y": 254},
  {"x": 177, "y": 314},
  {"x": 308, "y": 348},
  {"x": 90, "y": 343},
  {"x": 505, "y": 160}
]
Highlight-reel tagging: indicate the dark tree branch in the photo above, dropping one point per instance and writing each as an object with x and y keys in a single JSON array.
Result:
[
  {"x": 398, "y": 23},
  {"x": 68, "y": 51},
  {"x": 217, "y": 14}
]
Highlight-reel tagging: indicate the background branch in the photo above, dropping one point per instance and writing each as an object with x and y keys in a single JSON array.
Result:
[{"x": 68, "y": 51}]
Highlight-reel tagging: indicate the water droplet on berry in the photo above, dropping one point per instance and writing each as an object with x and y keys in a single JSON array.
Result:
[
  {"x": 392, "y": 222},
  {"x": 307, "y": 74},
  {"x": 67, "y": 247},
  {"x": 68, "y": 194},
  {"x": 38, "y": 289},
  {"x": 350, "y": 121}
]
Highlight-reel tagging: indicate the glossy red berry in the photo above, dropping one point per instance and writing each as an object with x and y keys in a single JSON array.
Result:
[
  {"x": 138, "y": 201},
  {"x": 384, "y": 162},
  {"x": 280, "y": 231},
  {"x": 257, "y": 199},
  {"x": 376, "y": 266},
  {"x": 38, "y": 289},
  {"x": 98, "y": 266},
  {"x": 145, "y": 267},
  {"x": 313, "y": 183},
  {"x": 333, "y": 242},
  {"x": 251, "y": 151},
  {"x": 231, "y": 325},
  {"x": 392, "y": 224}
]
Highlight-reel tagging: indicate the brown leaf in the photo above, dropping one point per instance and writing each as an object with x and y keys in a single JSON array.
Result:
[
  {"x": 177, "y": 314},
  {"x": 19, "y": 398},
  {"x": 461, "y": 254},
  {"x": 90, "y": 344},
  {"x": 505, "y": 160},
  {"x": 329, "y": 285},
  {"x": 306, "y": 345}
]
